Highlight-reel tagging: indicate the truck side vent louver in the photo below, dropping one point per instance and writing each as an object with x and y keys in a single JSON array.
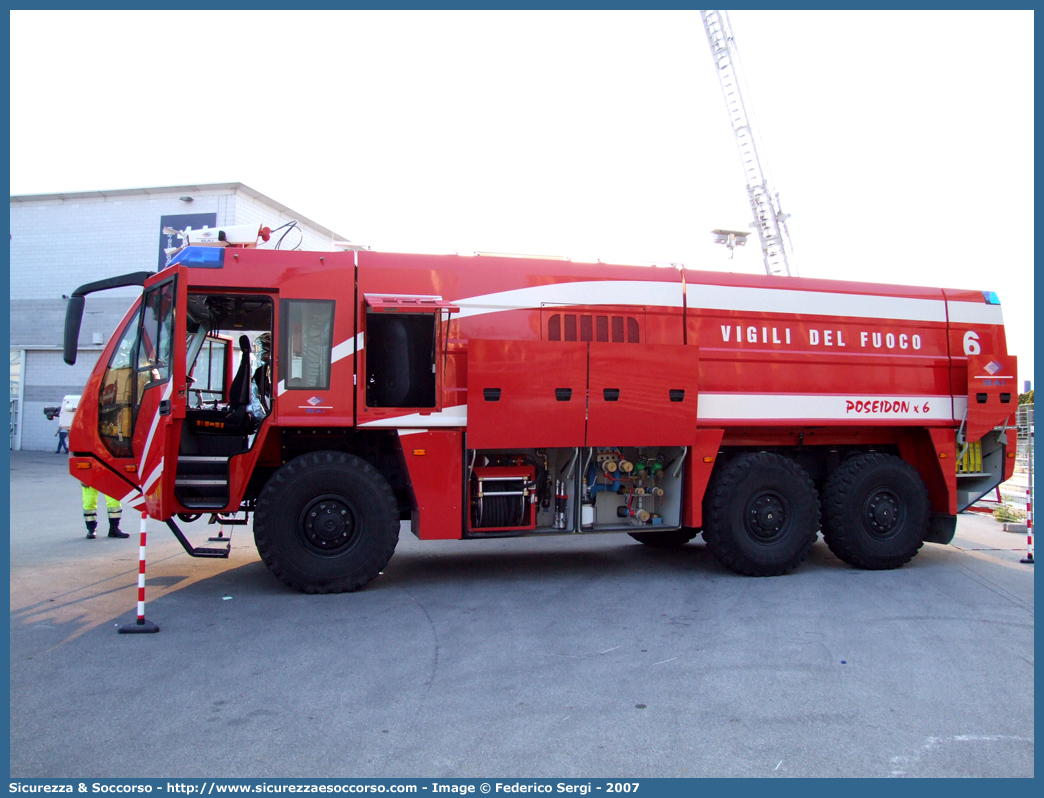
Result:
[
  {"x": 611, "y": 394},
  {"x": 677, "y": 394},
  {"x": 563, "y": 394},
  {"x": 491, "y": 394}
]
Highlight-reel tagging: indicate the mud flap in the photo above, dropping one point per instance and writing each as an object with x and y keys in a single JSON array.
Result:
[{"x": 941, "y": 528}]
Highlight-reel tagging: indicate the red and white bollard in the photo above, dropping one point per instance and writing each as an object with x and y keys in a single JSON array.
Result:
[
  {"x": 1029, "y": 529},
  {"x": 140, "y": 626}
]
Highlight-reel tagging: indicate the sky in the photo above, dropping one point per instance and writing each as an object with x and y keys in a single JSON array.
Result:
[{"x": 900, "y": 142}]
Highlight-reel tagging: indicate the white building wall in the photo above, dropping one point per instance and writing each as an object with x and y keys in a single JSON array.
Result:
[
  {"x": 58, "y": 245},
  {"x": 47, "y": 380}
]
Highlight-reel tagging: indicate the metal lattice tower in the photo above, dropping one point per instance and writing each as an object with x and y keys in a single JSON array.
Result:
[{"x": 769, "y": 219}]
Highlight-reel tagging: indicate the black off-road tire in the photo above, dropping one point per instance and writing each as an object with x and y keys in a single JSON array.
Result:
[
  {"x": 326, "y": 522},
  {"x": 667, "y": 539},
  {"x": 761, "y": 514},
  {"x": 876, "y": 511}
]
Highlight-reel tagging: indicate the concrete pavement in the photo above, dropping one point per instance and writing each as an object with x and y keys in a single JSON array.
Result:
[{"x": 563, "y": 656}]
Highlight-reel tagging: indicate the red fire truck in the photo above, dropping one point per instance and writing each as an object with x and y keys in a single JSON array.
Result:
[{"x": 491, "y": 396}]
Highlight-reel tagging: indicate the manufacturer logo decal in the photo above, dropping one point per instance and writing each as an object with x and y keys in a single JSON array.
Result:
[
  {"x": 992, "y": 367},
  {"x": 315, "y": 406}
]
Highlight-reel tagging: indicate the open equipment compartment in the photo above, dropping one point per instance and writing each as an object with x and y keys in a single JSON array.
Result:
[
  {"x": 631, "y": 488},
  {"x": 521, "y": 490},
  {"x": 588, "y": 489}
]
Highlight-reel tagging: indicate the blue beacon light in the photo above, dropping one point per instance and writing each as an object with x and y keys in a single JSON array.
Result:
[{"x": 204, "y": 257}]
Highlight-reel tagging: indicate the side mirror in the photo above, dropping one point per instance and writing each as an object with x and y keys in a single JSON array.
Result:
[
  {"x": 73, "y": 318},
  {"x": 74, "y": 310}
]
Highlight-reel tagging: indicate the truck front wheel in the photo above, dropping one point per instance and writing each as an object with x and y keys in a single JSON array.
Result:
[
  {"x": 326, "y": 522},
  {"x": 876, "y": 511},
  {"x": 760, "y": 514}
]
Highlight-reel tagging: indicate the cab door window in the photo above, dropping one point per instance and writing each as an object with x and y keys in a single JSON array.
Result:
[{"x": 157, "y": 335}]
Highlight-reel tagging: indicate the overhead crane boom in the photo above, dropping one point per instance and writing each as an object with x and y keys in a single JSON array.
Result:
[{"x": 769, "y": 219}]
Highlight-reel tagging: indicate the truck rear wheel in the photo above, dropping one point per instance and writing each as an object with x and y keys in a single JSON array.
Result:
[
  {"x": 761, "y": 514},
  {"x": 876, "y": 511},
  {"x": 326, "y": 522},
  {"x": 668, "y": 539}
]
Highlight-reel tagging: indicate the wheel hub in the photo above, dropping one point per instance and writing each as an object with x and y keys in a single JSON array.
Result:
[
  {"x": 883, "y": 513},
  {"x": 328, "y": 524},
  {"x": 766, "y": 516}
]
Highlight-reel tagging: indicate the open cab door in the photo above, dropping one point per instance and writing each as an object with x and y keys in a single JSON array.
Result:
[{"x": 159, "y": 372}]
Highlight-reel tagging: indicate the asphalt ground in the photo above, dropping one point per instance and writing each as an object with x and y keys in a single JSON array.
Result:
[{"x": 558, "y": 656}]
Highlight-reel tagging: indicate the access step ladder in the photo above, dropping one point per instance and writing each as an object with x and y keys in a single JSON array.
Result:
[{"x": 202, "y": 482}]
